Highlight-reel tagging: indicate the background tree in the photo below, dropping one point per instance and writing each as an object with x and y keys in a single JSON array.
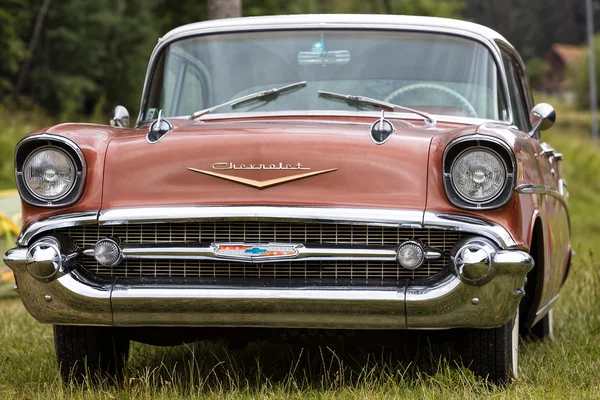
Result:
[
  {"x": 218, "y": 9},
  {"x": 92, "y": 55},
  {"x": 536, "y": 68},
  {"x": 581, "y": 77}
]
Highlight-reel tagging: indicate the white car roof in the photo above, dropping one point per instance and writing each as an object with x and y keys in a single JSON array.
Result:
[{"x": 371, "y": 21}]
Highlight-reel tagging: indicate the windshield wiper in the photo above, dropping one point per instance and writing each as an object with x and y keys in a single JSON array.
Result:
[
  {"x": 264, "y": 95},
  {"x": 357, "y": 101}
]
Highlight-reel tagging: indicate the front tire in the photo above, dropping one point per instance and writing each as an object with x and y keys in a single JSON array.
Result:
[
  {"x": 98, "y": 352},
  {"x": 493, "y": 354}
]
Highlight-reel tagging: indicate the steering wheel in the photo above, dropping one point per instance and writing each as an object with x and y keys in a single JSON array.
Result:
[{"x": 466, "y": 106}]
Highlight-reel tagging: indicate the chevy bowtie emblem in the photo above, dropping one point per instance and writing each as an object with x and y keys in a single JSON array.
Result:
[
  {"x": 255, "y": 252},
  {"x": 260, "y": 184}
]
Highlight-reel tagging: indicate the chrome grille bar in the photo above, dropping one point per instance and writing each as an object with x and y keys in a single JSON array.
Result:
[{"x": 313, "y": 234}]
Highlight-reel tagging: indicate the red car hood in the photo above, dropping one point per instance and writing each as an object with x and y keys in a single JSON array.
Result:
[{"x": 354, "y": 170}]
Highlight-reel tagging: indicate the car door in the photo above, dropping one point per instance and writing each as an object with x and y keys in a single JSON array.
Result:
[{"x": 551, "y": 186}]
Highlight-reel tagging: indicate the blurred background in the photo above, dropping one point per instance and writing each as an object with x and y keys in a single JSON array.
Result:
[{"x": 75, "y": 60}]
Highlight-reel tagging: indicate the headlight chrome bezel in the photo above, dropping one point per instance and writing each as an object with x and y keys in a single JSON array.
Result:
[
  {"x": 32, "y": 144},
  {"x": 494, "y": 145}
]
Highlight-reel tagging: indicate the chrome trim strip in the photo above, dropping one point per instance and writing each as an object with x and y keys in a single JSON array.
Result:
[
  {"x": 541, "y": 313},
  {"x": 209, "y": 252},
  {"x": 369, "y": 216},
  {"x": 461, "y": 223},
  {"x": 341, "y": 113},
  {"x": 359, "y": 216},
  {"x": 529, "y": 188},
  {"x": 56, "y": 222},
  {"x": 487, "y": 39}
]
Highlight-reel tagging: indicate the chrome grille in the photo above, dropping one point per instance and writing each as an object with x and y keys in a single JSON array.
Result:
[{"x": 288, "y": 273}]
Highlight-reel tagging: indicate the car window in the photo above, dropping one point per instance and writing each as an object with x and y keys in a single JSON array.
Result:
[
  {"x": 518, "y": 105},
  {"x": 526, "y": 96},
  {"x": 191, "y": 92},
  {"x": 437, "y": 73}
]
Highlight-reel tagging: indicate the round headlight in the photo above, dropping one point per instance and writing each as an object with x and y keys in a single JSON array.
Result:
[
  {"x": 49, "y": 173},
  {"x": 478, "y": 175}
]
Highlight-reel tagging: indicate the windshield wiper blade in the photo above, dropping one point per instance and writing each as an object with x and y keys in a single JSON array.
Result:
[
  {"x": 265, "y": 95},
  {"x": 355, "y": 101}
]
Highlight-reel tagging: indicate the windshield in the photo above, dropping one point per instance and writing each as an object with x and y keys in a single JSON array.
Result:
[{"x": 435, "y": 73}]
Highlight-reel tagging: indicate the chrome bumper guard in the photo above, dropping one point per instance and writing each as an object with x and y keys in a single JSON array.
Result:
[{"x": 482, "y": 291}]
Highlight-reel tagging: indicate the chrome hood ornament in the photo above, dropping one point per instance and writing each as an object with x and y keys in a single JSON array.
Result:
[
  {"x": 158, "y": 129},
  {"x": 261, "y": 184},
  {"x": 229, "y": 166},
  {"x": 382, "y": 130}
]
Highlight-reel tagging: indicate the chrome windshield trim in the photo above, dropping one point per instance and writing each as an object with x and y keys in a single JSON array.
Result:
[
  {"x": 55, "y": 222},
  {"x": 343, "y": 113},
  {"x": 333, "y": 215}
]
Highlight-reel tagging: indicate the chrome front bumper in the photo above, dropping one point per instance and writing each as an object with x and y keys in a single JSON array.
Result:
[{"x": 483, "y": 291}]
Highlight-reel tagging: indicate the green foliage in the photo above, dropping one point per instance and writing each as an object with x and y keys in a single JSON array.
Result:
[
  {"x": 12, "y": 45},
  {"x": 15, "y": 125},
  {"x": 581, "y": 77},
  {"x": 100, "y": 50},
  {"x": 97, "y": 50},
  {"x": 532, "y": 26},
  {"x": 94, "y": 53},
  {"x": 536, "y": 68},
  {"x": 439, "y": 8},
  {"x": 86, "y": 50}
]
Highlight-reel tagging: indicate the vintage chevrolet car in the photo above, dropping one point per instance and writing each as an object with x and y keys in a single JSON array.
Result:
[{"x": 327, "y": 173}]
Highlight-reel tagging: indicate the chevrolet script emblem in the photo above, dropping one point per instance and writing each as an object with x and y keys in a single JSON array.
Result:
[
  {"x": 260, "y": 184},
  {"x": 255, "y": 252}
]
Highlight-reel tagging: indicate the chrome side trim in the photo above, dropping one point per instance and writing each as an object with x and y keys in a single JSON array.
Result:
[
  {"x": 360, "y": 216},
  {"x": 529, "y": 188},
  {"x": 472, "y": 225},
  {"x": 55, "y": 222},
  {"x": 544, "y": 310}
]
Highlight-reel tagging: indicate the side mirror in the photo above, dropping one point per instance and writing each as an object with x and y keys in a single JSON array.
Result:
[
  {"x": 120, "y": 117},
  {"x": 542, "y": 117}
]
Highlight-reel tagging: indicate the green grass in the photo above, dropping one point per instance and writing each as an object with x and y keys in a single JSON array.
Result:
[
  {"x": 567, "y": 367},
  {"x": 15, "y": 125}
]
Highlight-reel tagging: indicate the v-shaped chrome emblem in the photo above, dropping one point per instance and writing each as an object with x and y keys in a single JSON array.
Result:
[{"x": 262, "y": 184}]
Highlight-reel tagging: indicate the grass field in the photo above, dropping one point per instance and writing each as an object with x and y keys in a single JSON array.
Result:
[{"x": 568, "y": 367}]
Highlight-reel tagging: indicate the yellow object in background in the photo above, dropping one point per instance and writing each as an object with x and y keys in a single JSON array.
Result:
[
  {"x": 9, "y": 229},
  {"x": 8, "y": 226}
]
